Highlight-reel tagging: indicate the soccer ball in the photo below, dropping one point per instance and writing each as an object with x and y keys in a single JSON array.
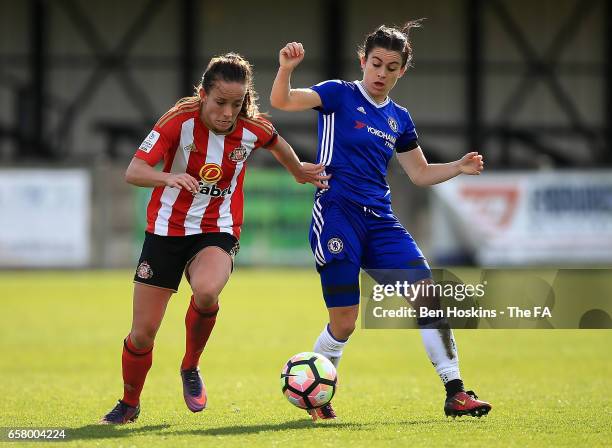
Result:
[{"x": 309, "y": 380}]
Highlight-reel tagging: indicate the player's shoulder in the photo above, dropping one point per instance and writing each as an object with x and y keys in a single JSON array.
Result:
[
  {"x": 337, "y": 83},
  {"x": 183, "y": 110},
  {"x": 259, "y": 125},
  {"x": 401, "y": 111},
  {"x": 398, "y": 108}
]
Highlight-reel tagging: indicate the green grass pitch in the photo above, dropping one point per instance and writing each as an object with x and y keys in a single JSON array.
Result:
[{"x": 61, "y": 337}]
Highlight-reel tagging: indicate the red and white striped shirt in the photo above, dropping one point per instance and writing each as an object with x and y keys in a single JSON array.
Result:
[{"x": 218, "y": 161}]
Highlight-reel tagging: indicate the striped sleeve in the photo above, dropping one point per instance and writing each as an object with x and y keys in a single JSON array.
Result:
[
  {"x": 267, "y": 136},
  {"x": 155, "y": 146},
  {"x": 331, "y": 93},
  {"x": 164, "y": 135}
]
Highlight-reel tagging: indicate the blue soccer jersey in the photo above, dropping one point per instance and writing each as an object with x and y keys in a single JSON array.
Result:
[
  {"x": 353, "y": 225},
  {"x": 357, "y": 138}
]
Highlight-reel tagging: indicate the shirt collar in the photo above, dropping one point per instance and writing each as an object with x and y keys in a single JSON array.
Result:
[{"x": 367, "y": 96}]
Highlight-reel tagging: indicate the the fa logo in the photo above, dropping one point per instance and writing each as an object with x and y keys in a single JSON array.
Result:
[
  {"x": 149, "y": 142},
  {"x": 335, "y": 245},
  {"x": 392, "y": 124}
]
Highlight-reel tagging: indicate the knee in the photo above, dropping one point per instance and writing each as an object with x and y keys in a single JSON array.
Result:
[
  {"x": 204, "y": 295},
  {"x": 143, "y": 337},
  {"x": 426, "y": 297},
  {"x": 342, "y": 328}
]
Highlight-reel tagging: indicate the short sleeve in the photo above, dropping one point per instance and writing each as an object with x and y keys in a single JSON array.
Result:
[
  {"x": 331, "y": 93},
  {"x": 272, "y": 140},
  {"x": 155, "y": 146},
  {"x": 266, "y": 133},
  {"x": 269, "y": 138},
  {"x": 409, "y": 139}
]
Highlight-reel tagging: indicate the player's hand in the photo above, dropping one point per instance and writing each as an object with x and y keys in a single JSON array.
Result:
[
  {"x": 313, "y": 174},
  {"x": 471, "y": 163},
  {"x": 291, "y": 55},
  {"x": 183, "y": 181}
]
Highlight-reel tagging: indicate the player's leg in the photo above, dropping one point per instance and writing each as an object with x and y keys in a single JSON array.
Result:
[
  {"x": 156, "y": 279},
  {"x": 336, "y": 237},
  {"x": 149, "y": 306},
  {"x": 337, "y": 244},
  {"x": 208, "y": 273},
  {"x": 396, "y": 257},
  {"x": 439, "y": 343},
  {"x": 438, "y": 339},
  {"x": 340, "y": 283}
]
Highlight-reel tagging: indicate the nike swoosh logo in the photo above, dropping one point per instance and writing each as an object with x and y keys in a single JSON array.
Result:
[
  {"x": 287, "y": 375},
  {"x": 462, "y": 403}
]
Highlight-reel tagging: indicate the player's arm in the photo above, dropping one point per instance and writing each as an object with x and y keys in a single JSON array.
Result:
[
  {"x": 152, "y": 150},
  {"x": 302, "y": 171},
  {"x": 141, "y": 174},
  {"x": 283, "y": 97},
  {"x": 422, "y": 173}
]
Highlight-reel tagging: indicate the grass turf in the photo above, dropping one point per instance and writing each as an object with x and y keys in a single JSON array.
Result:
[{"x": 61, "y": 337}]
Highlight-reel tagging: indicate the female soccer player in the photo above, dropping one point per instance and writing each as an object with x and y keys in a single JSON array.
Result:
[
  {"x": 353, "y": 225},
  {"x": 194, "y": 216}
]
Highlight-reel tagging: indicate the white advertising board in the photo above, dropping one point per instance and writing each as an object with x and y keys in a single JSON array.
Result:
[
  {"x": 519, "y": 218},
  {"x": 44, "y": 218}
]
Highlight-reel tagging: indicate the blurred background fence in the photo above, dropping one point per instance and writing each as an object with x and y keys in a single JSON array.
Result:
[{"x": 526, "y": 83}]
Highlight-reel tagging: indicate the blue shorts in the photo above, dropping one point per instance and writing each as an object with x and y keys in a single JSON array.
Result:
[{"x": 371, "y": 239}]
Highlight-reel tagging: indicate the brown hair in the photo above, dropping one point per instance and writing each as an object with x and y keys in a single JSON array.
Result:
[
  {"x": 391, "y": 38},
  {"x": 230, "y": 67}
]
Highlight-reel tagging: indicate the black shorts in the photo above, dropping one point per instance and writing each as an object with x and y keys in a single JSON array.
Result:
[{"x": 164, "y": 258}]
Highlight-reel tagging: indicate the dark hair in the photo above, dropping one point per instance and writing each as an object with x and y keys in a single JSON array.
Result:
[
  {"x": 391, "y": 38},
  {"x": 230, "y": 67}
]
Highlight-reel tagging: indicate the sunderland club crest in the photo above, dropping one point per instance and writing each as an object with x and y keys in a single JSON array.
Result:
[
  {"x": 239, "y": 154},
  {"x": 144, "y": 271}
]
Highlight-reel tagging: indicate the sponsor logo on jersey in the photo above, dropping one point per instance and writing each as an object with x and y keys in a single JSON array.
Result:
[
  {"x": 389, "y": 139},
  {"x": 238, "y": 154},
  {"x": 361, "y": 109},
  {"x": 335, "y": 245},
  {"x": 213, "y": 190},
  {"x": 148, "y": 143},
  {"x": 392, "y": 124},
  {"x": 144, "y": 271},
  {"x": 384, "y": 135},
  {"x": 210, "y": 173}
]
